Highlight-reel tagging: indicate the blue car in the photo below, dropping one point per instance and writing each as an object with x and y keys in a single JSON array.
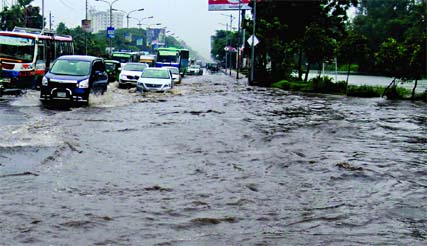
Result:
[{"x": 73, "y": 78}]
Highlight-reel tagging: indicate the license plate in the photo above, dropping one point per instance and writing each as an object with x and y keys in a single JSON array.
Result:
[
  {"x": 6, "y": 80},
  {"x": 61, "y": 94}
]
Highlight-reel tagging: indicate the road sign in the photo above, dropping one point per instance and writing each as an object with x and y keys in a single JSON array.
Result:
[
  {"x": 87, "y": 25},
  {"x": 256, "y": 41},
  {"x": 110, "y": 32}
]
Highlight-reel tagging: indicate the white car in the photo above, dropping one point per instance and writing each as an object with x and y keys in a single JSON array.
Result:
[
  {"x": 176, "y": 76},
  {"x": 195, "y": 69},
  {"x": 130, "y": 73},
  {"x": 155, "y": 79}
]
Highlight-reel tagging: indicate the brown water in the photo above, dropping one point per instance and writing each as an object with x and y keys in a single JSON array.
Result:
[{"x": 213, "y": 163}]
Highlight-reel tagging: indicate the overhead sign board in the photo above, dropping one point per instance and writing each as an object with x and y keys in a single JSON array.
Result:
[
  {"x": 87, "y": 25},
  {"x": 220, "y": 5},
  {"x": 155, "y": 36},
  {"x": 139, "y": 41},
  {"x": 110, "y": 32}
]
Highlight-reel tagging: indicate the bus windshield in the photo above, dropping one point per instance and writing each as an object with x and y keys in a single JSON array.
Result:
[
  {"x": 122, "y": 59},
  {"x": 17, "y": 48},
  {"x": 168, "y": 59}
]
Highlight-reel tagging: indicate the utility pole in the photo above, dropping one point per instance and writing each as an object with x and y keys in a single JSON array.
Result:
[
  {"x": 226, "y": 50},
  {"x": 42, "y": 14},
  {"x": 238, "y": 42},
  {"x": 231, "y": 29},
  {"x": 253, "y": 46},
  {"x": 50, "y": 20},
  {"x": 86, "y": 31}
]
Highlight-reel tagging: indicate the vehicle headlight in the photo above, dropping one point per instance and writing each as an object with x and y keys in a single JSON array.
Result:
[
  {"x": 45, "y": 81},
  {"x": 84, "y": 83},
  {"x": 123, "y": 76}
]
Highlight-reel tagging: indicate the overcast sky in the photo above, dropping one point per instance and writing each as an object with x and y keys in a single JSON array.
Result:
[{"x": 190, "y": 20}]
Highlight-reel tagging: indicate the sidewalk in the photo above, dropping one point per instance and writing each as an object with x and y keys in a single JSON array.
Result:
[{"x": 233, "y": 74}]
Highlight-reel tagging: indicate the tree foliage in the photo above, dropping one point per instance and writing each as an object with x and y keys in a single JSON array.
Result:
[{"x": 22, "y": 14}]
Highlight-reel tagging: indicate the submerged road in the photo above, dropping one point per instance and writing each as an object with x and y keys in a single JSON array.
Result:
[{"x": 214, "y": 162}]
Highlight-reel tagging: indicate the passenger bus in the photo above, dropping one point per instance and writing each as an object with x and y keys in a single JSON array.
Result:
[
  {"x": 27, "y": 53},
  {"x": 173, "y": 57},
  {"x": 184, "y": 62},
  {"x": 124, "y": 57},
  {"x": 149, "y": 59}
]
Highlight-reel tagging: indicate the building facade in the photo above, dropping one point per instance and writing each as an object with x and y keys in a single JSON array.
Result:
[{"x": 101, "y": 20}]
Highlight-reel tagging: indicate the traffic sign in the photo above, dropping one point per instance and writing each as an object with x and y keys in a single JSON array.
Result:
[
  {"x": 256, "y": 41},
  {"x": 110, "y": 32}
]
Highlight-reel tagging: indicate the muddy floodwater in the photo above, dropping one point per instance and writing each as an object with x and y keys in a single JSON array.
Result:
[{"x": 214, "y": 162}]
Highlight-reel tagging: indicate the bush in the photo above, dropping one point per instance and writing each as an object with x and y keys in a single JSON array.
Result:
[
  {"x": 292, "y": 86},
  {"x": 364, "y": 91},
  {"x": 344, "y": 68},
  {"x": 325, "y": 85}
]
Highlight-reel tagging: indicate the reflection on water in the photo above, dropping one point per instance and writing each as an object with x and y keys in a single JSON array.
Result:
[
  {"x": 214, "y": 163},
  {"x": 355, "y": 79}
]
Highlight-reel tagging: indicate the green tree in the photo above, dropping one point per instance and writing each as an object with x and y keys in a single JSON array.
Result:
[
  {"x": 379, "y": 20},
  {"x": 282, "y": 25},
  {"x": 21, "y": 14},
  {"x": 318, "y": 46},
  {"x": 354, "y": 48}
]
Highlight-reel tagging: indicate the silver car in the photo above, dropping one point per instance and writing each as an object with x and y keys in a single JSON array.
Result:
[{"x": 155, "y": 79}]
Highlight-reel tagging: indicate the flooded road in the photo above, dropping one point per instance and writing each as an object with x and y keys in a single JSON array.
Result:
[{"x": 213, "y": 163}]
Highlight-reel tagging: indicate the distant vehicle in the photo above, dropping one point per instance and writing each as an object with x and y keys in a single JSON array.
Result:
[
  {"x": 113, "y": 69},
  {"x": 212, "y": 67},
  {"x": 124, "y": 57},
  {"x": 176, "y": 76},
  {"x": 173, "y": 57},
  {"x": 155, "y": 79},
  {"x": 195, "y": 70},
  {"x": 27, "y": 54},
  {"x": 149, "y": 59},
  {"x": 130, "y": 73},
  {"x": 73, "y": 78}
]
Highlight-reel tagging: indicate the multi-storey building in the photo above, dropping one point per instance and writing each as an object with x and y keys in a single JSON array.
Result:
[{"x": 101, "y": 20}]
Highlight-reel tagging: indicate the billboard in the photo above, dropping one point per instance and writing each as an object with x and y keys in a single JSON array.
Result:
[
  {"x": 220, "y": 5},
  {"x": 156, "y": 36},
  {"x": 87, "y": 25}
]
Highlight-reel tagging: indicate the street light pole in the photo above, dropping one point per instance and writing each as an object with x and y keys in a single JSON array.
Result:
[
  {"x": 238, "y": 42},
  {"x": 253, "y": 46},
  {"x": 111, "y": 19},
  {"x": 128, "y": 16}
]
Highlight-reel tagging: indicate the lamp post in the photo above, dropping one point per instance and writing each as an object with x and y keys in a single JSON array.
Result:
[
  {"x": 226, "y": 43},
  {"x": 128, "y": 15},
  {"x": 111, "y": 18},
  {"x": 231, "y": 29},
  {"x": 140, "y": 20},
  {"x": 251, "y": 80}
]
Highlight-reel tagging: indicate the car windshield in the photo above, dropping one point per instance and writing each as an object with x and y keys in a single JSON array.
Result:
[
  {"x": 71, "y": 67},
  {"x": 194, "y": 66},
  {"x": 109, "y": 66},
  {"x": 156, "y": 73},
  {"x": 135, "y": 67},
  {"x": 174, "y": 70}
]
